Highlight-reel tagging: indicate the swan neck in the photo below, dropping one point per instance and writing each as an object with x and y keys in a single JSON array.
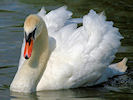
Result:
[{"x": 28, "y": 76}]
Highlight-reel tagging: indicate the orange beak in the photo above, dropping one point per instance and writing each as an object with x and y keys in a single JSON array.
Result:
[{"x": 28, "y": 49}]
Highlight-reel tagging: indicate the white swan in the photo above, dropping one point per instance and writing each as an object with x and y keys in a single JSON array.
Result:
[{"x": 60, "y": 56}]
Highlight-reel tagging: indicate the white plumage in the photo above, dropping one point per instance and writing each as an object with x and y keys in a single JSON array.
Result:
[{"x": 79, "y": 56}]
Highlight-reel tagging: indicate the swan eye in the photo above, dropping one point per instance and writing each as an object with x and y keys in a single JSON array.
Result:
[{"x": 31, "y": 35}]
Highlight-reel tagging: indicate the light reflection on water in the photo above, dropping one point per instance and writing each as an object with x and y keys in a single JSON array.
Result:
[{"x": 12, "y": 15}]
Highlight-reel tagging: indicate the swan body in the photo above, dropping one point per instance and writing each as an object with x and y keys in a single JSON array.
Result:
[{"x": 64, "y": 56}]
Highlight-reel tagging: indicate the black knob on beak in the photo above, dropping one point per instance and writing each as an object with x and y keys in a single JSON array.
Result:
[{"x": 26, "y": 57}]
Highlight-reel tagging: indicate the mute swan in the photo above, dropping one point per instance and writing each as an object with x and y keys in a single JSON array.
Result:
[{"x": 57, "y": 55}]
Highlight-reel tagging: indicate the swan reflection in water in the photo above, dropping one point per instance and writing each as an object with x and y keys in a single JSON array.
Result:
[{"x": 72, "y": 94}]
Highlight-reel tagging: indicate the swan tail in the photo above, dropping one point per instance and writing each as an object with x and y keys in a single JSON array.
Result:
[
  {"x": 122, "y": 65},
  {"x": 113, "y": 70}
]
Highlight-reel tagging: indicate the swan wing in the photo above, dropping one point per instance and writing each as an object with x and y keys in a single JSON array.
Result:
[
  {"x": 101, "y": 42},
  {"x": 81, "y": 54},
  {"x": 55, "y": 19}
]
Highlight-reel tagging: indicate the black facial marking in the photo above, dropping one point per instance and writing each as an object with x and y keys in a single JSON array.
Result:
[
  {"x": 33, "y": 33},
  {"x": 28, "y": 38}
]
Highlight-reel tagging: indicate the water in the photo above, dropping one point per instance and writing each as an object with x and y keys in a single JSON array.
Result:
[{"x": 12, "y": 15}]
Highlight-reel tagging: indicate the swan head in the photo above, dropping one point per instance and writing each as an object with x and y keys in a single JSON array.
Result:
[{"x": 32, "y": 27}]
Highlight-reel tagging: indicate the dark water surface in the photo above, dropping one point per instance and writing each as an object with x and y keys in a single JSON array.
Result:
[{"x": 12, "y": 15}]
